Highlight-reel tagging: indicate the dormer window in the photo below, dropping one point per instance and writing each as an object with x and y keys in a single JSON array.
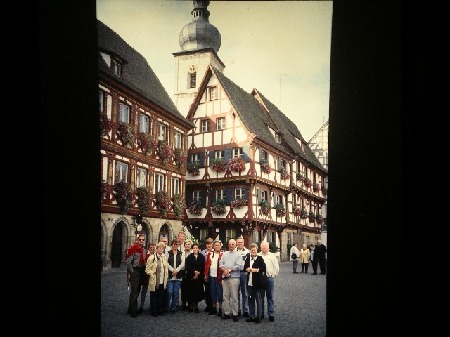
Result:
[
  {"x": 116, "y": 67},
  {"x": 278, "y": 138},
  {"x": 212, "y": 93},
  {"x": 220, "y": 123},
  {"x": 205, "y": 125}
]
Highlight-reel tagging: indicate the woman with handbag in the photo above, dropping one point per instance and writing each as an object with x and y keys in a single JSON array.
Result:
[{"x": 294, "y": 254}]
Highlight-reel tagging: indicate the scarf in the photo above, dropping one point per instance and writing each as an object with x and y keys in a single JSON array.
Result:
[{"x": 137, "y": 249}]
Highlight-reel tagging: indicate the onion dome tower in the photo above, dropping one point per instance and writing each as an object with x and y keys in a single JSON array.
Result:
[{"x": 199, "y": 42}]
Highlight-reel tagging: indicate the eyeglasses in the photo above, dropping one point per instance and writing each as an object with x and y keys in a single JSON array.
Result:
[{"x": 141, "y": 239}]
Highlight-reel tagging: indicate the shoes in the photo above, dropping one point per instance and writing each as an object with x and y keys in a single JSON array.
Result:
[
  {"x": 154, "y": 314},
  {"x": 213, "y": 311},
  {"x": 140, "y": 310},
  {"x": 323, "y": 273},
  {"x": 239, "y": 313},
  {"x": 226, "y": 316},
  {"x": 257, "y": 320},
  {"x": 271, "y": 319},
  {"x": 246, "y": 314},
  {"x": 295, "y": 272},
  {"x": 262, "y": 317},
  {"x": 235, "y": 318},
  {"x": 185, "y": 307},
  {"x": 134, "y": 314},
  {"x": 251, "y": 319},
  {"x": 196, "y": 310},
  {"x": 161, "y": 313},
  {"x": 314, "y": 274},
  {"x": 219, "y": 312}
]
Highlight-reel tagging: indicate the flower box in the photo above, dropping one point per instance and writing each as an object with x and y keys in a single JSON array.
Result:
[
  {"x": 179, "y": 157},
  {"x": 236, "y": 164},
  {"x": 319, "y": 219},
  {"x": 284, "y": 173},
  {"x": 280, "y": 210},
  {"x": 195, "y": 208},
  {"x": 316, "y": 187},
  {"x": 299, "y": 177},
  {"x": 218, "y": 207},
  {"x": 303, "y": 214},
  {"x": 312, "y": 217},
  {"x": 143, "y": 199},
  {"x": 105, "y": 124},
  {"x": 123, "y": 196},
  {"x": 162, "y": 201},
  {"x": 265, "y": 207},
  {"x": 145, "y": 143},
  {"x": 239, "y": 203},
  {"x": 219, "y": 165},
  {"x": 165, "y": 152},
  {"x": 307, "y": 182},
  {"x": 297, "y": 211},
  {"x": 178, "y": 205},
  {"x": 193, "y": 169},
  {"x": 125, "y": 134}
]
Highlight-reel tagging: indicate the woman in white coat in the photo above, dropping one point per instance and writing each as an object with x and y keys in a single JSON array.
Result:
[{"x": 294, "y": 258}]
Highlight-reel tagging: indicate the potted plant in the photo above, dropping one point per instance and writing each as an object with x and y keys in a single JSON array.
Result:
[
  {"x": 265, "y": 167},
  {"x": 319, "y": 219},
  {"x": 178, "y": 205},
  {"x": 307, "y": 182},
  {"x": 123, "y": 196},
  {"x": 265, "y": 207},
  {"x": 280, "y": 210},
  {"x": 218, "y": 207},
  {"x": 195, "y": 208},
  {"x": 238, "y": 203},
  {"x": 324, "y": 190},
  {"x": 145, "y": 142},
  {"x": 312, "y": 217},
  {"x": 165, "y": 152},
  {"x": 284, "y": 174},
  {"x": 316, "y": 187},
  {"x": 236, "y": 164},
  {"x": 125, "y": 134},
  {"x": 303, "y": 213},
  {"x": 192, "y": 168},
  {"x": 219, "y": 165},
  {"x": 297, "y": 211},
  {"x": 162, "y": 202},
  {"x": 143, "y": 199},
  {"x": 299, "y": 176},
  {"x": 179, "y": 157}
]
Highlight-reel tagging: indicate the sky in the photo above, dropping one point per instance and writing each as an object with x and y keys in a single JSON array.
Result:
[{"x": 281, "y": 48}]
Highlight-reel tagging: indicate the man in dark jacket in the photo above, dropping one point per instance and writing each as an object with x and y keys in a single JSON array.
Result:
[
  {"x": 256, "y": 271},
  {"x": 320, "y": 255}
]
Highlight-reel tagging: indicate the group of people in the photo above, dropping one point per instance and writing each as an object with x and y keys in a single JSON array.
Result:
[
  {"x": 316, "y": 254},
  {"x": 232, "y": 283}
]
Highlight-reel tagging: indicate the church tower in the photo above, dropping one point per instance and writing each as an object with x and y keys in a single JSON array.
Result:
[{"x": 199, "y": 42}]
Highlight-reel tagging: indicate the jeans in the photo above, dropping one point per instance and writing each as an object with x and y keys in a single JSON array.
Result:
[
  {"x": 255, "y": 302},
  {"x": 173, "y": 290},
  {"x": 243, "y": 294},
  {"x": 216, "y": 290},
  {"x": 268, "y": 292}
]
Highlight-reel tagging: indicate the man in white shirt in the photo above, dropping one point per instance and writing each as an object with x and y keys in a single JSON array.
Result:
[
  {"x": 272, "y": 270},
  {"x": 243, "y": 293}
]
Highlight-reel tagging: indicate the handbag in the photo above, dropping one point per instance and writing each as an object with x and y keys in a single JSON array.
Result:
[{"x": 294, "y": 256}]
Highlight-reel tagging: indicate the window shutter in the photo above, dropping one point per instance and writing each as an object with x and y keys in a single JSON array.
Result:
[
  {"x": 203, "y": 197},
  {"x": 188, "y": 198},
  {"x": 213, "y": 196},
  {"x": 211, "y": 157},
  {"x": 227, "y": 155},
  {"x": 201, "y": 159},
  {"x": 258, "y": 194},
  {"x": 244, "y": 193},
  {"x": 228, "y": 195}
]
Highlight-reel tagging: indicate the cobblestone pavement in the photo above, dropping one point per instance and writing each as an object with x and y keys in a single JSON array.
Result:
[{"x": 300, "y": 310}]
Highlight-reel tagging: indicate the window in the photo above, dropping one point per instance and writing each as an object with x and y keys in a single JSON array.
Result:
[
  {"x": 121, "y": 172},
  {"x": 212, "y": 93},
  {"x": 100, "y": 101},
  {"x": 203, "y": 234},
  {"x": 176, "y": 187},
  {"x": 124, "y": 113},
  {"x": 116, "y": 67},
  {"x": 160, "y": 182},
  {"x": 162, "y": 132},
  {"x": 238, "y": 152},
  {"x": 278, "y": 199},
  {"x": 219, "y": 154},
  {"x": 196, "y": 196},
  {"x": 229, "y": 234},
  {"x": 220, "y": 123},
  {"x": 192, "y": 80},
  {"x": 205, "y": 125},
  {"x": 263, "y": 195},
  {"x": 282, "y": 163},
  {"x": 178, "y": 140},
  {"x": 220, "y": 194},
  {"x": 263, "y": 155},
  {"x": 238, "y": 193},
  {"x": 144, "y": 123},
  {"x": 141, "y": 177},
  {"x": 194, "y": 157},
  {"x": 278, "y": 138}
]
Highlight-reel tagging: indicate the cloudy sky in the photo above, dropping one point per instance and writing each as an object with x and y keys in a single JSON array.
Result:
[{"x": 281, "y": 48}]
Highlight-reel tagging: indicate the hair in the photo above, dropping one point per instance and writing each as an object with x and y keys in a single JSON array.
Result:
[
  {"x": 265, "y": 243},
  {"x": 160, "y": 244},
  {"x": 181, "y": 232},
  {"x": 195, "y": 244},
  {"x": 174, "y": 241},
  {"x": 151, "y": 244},
  {"x": 188, "y": 241},
  {"x": 254, "y": 245},
  {"x": 209, "y": 240}
]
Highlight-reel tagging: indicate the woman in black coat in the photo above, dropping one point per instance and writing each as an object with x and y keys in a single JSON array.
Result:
[
  {"x": 195, "y": 265},
  {"x": 256, "y": 276}
]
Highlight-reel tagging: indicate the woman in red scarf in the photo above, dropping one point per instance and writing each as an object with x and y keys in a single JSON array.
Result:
[{"x": 136, "y": 267}]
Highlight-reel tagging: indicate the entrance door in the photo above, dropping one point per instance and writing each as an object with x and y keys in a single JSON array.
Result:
[{"x": 116, "y": 249}]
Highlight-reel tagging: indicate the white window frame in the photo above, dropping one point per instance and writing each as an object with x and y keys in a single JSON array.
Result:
[
  {"x": 278, "y": 199},
  {"x": 160, "y": 182},
  {"x": 101, "y": 102},
  {"x": 163, "y": 134},
  {"x": 176, "y": 186},
  {"x": 238, "y": 192},
  {"x": 124, "y": 113},
  {"x": 121, "y": 174},
  {"x": 144, "y": 123},
  {"x": 220, "y": 194},
  {"x": 204, "y": 125},
  {"x": 212, "y": 93},
  {"x": 263, "y": 195},
  {"x": 196, "y": 196},
  {"x": 238, "y": 152},
  {"x": 178, "y": 140},
  {"x": 141, "y": 177},
  {"x": 220, "y": 123},
  {"x": 220, "y": 154}
]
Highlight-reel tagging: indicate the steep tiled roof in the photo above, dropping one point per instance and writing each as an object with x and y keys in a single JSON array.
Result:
[
  {"x": 252, "y": 114},
  {"x": 257, "y": 120},
  {"x": 137, "y": 74},
  {"x": 290, "y": 132}
]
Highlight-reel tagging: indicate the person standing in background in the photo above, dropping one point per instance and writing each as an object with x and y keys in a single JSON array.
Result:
[
  {"x": 195, "y": 267},
  {"x": 313, "y": 259},
  {"x": 183, "y": 290},
  {"x": 320, "y": 254},
  {"x": 243, "y": 293},
  {"x": 176, "y": 268},
  {"x": 205, "y": 252},
  {"x": 304, "y": 258},
  {"x": 294, "y": 258},
  {"x": 272, "y": 270},
  {"x": 144, "y": 289},
  {"x": 213, "y": 276},
  {"x": 255, "y": 267},
  {"x": 158, "y": 272},
  {"x": 136, "y": 267}
]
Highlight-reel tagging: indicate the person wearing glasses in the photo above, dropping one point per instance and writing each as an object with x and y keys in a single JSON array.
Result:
[
  {"x": 176, "y": 268},
  {"x": 136, "y": 267}
]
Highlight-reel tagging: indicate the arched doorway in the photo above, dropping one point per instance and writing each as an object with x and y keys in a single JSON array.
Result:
[{"x": 117, "y": 244}]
